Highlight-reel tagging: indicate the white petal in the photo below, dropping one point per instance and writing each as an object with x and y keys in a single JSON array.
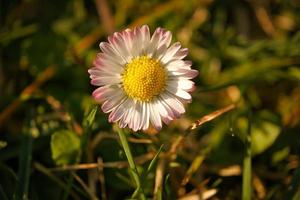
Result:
[
  {"x": 166, "y": 114},
  {"x": 137, "y": 41},
  {"x": 159, "y": 43},
  {"x": 184, "y": 84},
  {"x": 120, "y": 46},
  {"x": 106, "y": 80},
  {"x": 182, "y": 53},
  {"x": 146, "y": 116},
  {"x": 145, "y": 37},
  {"x": 178, "y": 64},
  {"x": 138, "y": 116},
  {"x": 102, "y": 93},
  {"x": 183, "y": 74},
  {"x": 170, "y": 52},
  {"x": 111, "y": 58},
  {"x": 133, "y": 117},
  {"x": 176, "y": 106},
  {"x": 113, "y": 101},
  {"x": 117, "y": 113},
  {"x": 127, "y": 37},
  {"x": 166, "y": 38},
  {"x": 126, "y": 117},
  {"x": 155, "y": 117},
  {"x": 110, "y": 50},
  {"x": 171, "y": 113},
  {"x": 99, "y": 72},
  {"x": 179, "y": 92}
]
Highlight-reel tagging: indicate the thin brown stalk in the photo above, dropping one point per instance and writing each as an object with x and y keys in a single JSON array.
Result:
[
  {"x": 105, "y": 135},
  {"x": 64, "y": 115},
  {"x": 264, "y": 20},
  {"x": 195, "y": 125},
  {"x": 101, "y": 179},
  {"x": 159, "y": 174},
  {"x": 105, "y": 16},
  {"x": 120, "y": 164},
  {"x": 47, "y": 74},
  {"x": 54, "y": 178},
  {"x": 155, "y": 13},
  {"x": 84, "y": 186}
]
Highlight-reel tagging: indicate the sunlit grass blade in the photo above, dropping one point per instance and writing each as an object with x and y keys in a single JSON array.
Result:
[
  {"x": 247, "y": 174},
  {"x": 132, "y": 165},
  {"x": 153, "y": 161},
  {"x": 24, "y": 167}
]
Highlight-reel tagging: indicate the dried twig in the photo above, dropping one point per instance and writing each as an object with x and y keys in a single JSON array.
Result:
[
  {"x": 105, "y": 16},
  {"x": 53, "y": 177},
  {"x": 105, "y": 135},
  {"x": 120, "y": 164},
  {"x": 159, "y": 174},
  {"x": 84, "y": 186},
  {"x": 47, "y": 74},
  {"x": 259, "y": 187},
  {"x": 196, "y": 124},
  {"x": 101, "y": 179},
  {"x": 264, "y": 20}
]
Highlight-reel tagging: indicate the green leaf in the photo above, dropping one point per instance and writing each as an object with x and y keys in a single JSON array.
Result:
[
  {"x": 65, "y": 147},
  {"x": 263, "y": 134}
]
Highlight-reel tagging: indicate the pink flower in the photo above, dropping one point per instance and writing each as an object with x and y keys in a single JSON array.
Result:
[{"x": 141, "y": 79}]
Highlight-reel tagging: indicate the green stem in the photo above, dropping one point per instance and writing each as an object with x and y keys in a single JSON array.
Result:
[
  {"x": 247, "y": 180},
  {"x": 132, "y": 165}
]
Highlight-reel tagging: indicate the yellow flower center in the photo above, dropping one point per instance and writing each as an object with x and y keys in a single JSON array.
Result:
[{"x": 144, "y": 78}]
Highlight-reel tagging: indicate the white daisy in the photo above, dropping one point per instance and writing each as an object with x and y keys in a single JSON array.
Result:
[{"x": 142, "y": 80}]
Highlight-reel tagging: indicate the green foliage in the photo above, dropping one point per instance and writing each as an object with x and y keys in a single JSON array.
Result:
[
  {"x": 65, "y": 147},
  {"x": 247, "y": 53}
]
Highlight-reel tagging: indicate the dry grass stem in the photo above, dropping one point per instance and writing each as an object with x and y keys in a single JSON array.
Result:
[
  {"x": 105, "y": 16},
  {"x": 53, "y": 177},
  {"x": 159, "y": 177},
  {"x": 101, "y": 178},
  {"x": 84, "y": 186},
  {"x": 120, "y": 164},
  {"x": 44, "y": 76}
]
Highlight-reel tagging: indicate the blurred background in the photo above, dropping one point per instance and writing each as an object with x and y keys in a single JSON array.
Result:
[{"x": 247, "y": 53}]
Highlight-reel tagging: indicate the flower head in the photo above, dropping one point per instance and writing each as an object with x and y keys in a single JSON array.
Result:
[{"x": 141, "y": 79}]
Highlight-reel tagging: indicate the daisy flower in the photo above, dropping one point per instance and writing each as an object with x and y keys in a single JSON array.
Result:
[{"x": 141, "y": 79}]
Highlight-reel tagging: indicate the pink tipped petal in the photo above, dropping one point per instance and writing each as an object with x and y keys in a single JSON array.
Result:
[
  {"x": 112, "y": 102},
  {"x": 171, "y": 52},
  {"x": 166, "y": 115},
  {"x": 102, "y": 93},
  {"x": 107, "y": 80},
  {"x": 119, "y": 112},
  {"x": 145, "y": 35},
  {"x": 173, "y": 103},
  {"x": 182, "y": 53},
  {"x": 107, "y": 61},
  {"x": 166, "y": 38},
  {"x": 178, "y": 64}
]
